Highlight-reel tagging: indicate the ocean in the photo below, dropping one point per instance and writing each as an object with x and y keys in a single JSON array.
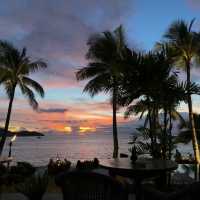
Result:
[{"x": 74, "y": 146}]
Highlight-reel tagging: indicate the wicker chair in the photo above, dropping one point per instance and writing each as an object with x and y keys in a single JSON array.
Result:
[
  {"x": 189, "y": 192},
  {"x": 82, "y": 185}
]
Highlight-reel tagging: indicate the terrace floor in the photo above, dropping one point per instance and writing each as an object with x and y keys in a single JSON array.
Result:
[
  {"x": 47, "y": 196},
  {"x": 54, "y": 193}
]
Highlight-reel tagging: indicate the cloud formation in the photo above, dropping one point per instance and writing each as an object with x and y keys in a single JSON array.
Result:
[
  {"x": 53, "y": 110},
  {"x": 58, "y": 30}
]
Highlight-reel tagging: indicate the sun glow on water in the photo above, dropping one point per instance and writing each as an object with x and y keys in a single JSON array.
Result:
[
  {"x": 67, "y": 129},
  {"x": 83, "y": 129}
]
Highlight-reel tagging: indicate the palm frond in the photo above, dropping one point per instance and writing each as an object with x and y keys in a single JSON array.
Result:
[
  {"x": 177, "y": 31},
  {"x": 37, "y": 65},
  {"x": 177, "y": 116},
  {"x": 8, "y": 87},
  {"x": 183, "y": 137},
  {"x": 139, "y": 107},
  {"x": 191, "y": 24},
  {"x": 120, "y": 40},
  {"x": 15, "y": 68},
  {"x": 35, "y": 85},
  {"x": 6, "y": 47},
  {"x": 129, "y": 111},
  {"x": 29, "y": 95},
  {"x": 98, "y": 84},
  {"x": 93, "y": 69}
]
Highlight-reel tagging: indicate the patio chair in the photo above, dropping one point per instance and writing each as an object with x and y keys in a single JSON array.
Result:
[
  {"x": 82, "y": 185},
  {"x": 189, "y": 192}
]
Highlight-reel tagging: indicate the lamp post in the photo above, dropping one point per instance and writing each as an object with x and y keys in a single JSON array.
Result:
[{"x": 10, "y": 145}]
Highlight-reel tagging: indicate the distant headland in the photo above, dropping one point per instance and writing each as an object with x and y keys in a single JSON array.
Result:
[{"x": 21, "y": 133}]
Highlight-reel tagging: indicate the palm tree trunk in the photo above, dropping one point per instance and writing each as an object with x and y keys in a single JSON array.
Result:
[
  {"x": 3, "y": 139},
  {"x": 170, "y": 143},
  {"x": 155, "y": 123},
  {"x": 115, "y": 138},
  {"x": 150, "y": 127},
  {"x": 170, "y": 134},
  {"x": 191, "y": 118},
  {"x": 164, "y": 142},
  {"x": 150, "y": 132}
]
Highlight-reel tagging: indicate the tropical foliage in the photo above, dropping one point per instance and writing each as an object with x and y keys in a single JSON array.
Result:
[
  {"x": 146, "y": 83},
  {"x": 185, "y": 135},
  {"x": 185, "y": 45},
  {"x": 104, "y": 71},
  {"x": 159, "y": 91},
  {"x": 16, "y": 67}
]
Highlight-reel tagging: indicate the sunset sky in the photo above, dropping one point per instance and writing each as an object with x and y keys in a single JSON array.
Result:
[{"x": 57, "y": 31}]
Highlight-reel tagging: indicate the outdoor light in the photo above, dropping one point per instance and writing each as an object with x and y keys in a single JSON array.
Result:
[{"x": 10, "y": 144}]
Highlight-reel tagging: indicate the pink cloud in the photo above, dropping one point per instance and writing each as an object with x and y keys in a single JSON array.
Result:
[{"x": 84, "y": 114}]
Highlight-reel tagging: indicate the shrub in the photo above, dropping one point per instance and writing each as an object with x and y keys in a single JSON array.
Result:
[
  {"x": 55, "y": 167},
  {"x": 10, "y": 179},
  {"x": 34, "y": 187},
  {"x": 3, "y": 169},
  {"x": 16, "y": 174},
  {"x": 87, "y": 164},
  {"x": 23, "y": 168}
]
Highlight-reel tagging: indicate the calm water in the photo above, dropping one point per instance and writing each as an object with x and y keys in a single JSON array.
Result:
[{"x": 73, "y": 147}]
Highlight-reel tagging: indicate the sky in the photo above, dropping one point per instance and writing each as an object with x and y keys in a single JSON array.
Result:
[{"x": 57, "y": 31}]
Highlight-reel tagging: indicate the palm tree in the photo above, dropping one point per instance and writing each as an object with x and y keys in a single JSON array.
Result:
[
  {"x": 105, "y": 55},
  {"x": 143, "y": 81},
  {"x": 185, "y": 135},
  {"x": 159, "y": 91},
  {"x": 15, "y": 67},
  {"x": 185, "y": 44}
]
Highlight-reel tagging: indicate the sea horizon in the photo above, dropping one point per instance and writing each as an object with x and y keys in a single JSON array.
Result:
[{"x": 74, "y": 146}]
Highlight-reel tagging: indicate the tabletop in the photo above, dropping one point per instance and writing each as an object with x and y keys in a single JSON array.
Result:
[
  {"x": 124, "y": 165},
  {"x": 140, "y": 170}
]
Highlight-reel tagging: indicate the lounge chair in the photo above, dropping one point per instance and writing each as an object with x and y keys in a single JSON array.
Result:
[
  {"x": 188, "y": 192},
  {"x": 82, "y": 185}
]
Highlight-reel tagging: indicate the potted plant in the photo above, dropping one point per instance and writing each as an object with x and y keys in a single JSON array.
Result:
[
  {"x": 87, "y": 164},
  {"x": 55, "y": 167}
]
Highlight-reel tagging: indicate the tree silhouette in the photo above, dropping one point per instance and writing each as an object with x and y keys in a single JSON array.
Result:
[{"x": 15, "y": 68}]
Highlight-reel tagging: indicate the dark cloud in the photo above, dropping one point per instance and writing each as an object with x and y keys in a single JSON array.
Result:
[
  {"x": 58, "y": 30},
  {"x": 53, "y": 110}
]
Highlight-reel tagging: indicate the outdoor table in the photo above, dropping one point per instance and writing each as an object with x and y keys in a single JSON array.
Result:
[{"x": 140, "y": 170}]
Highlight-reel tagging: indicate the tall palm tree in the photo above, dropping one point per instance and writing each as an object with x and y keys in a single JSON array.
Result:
[
  {"x": 15, "y": 68},
  {"x": 143, "y": 81},
  {"x": 158, "y": 90},
  {"x": 185, "y": 135},
  {"x": 105, "y": 55},
  {"x": 186, "y": 45}
]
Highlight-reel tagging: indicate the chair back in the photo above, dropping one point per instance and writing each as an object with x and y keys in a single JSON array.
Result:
[{"x": 82, "y": 185}]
